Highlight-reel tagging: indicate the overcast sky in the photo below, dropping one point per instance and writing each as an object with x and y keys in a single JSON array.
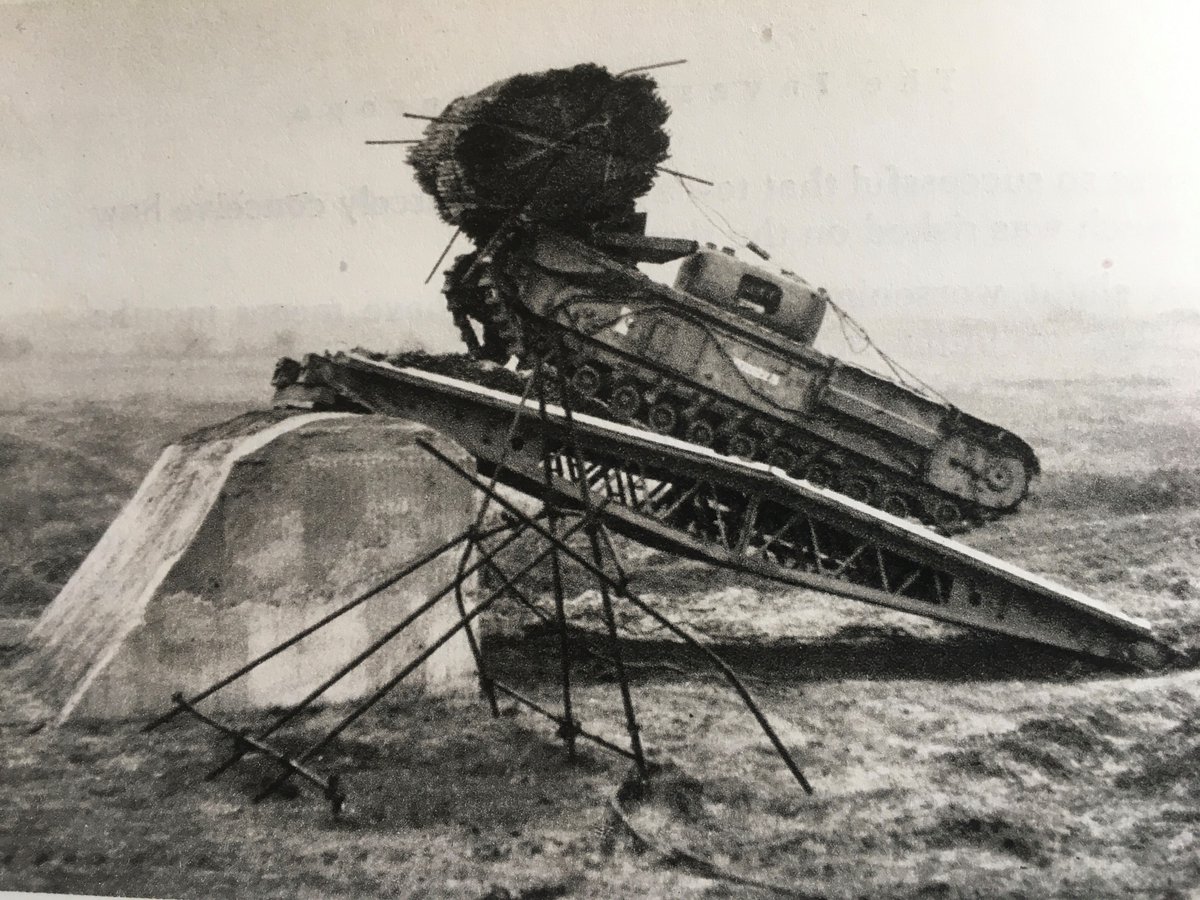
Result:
[{"x": 996, "y": 156}]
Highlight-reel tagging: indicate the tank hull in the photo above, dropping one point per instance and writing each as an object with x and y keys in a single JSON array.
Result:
[{"x": 682, "y": 365}]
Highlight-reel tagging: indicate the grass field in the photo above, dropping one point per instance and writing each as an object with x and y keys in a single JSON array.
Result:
[{"x": 945, "y": 763}]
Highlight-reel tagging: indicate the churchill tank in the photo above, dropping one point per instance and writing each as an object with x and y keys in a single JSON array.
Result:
[
  {"x": 543, "y": 172},
  {"x": 724, "y": 358}
]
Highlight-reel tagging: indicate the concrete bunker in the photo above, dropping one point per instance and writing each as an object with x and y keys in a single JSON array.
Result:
[{"x": 241, "y": 535}]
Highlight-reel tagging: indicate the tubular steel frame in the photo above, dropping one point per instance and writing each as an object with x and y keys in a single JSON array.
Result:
[
  {"x": 602, "y": 564},
  {"x": 670, "y": 495}
]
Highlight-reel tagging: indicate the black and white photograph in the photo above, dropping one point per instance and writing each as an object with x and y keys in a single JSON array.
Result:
[{"x": 516, "y": 450}]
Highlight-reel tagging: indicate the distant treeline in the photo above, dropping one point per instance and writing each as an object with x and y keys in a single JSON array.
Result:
[{"x": 200, "y": 333}]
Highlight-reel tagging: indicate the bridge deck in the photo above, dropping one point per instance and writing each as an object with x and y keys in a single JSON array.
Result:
[{"x": 743, "y": 515}]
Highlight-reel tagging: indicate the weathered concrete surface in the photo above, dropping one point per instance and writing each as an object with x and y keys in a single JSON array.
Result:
[{"x": 240, "y": 536}]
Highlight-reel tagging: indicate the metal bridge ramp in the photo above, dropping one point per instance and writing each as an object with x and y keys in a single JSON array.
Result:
[{"x": 747, "y": 516}]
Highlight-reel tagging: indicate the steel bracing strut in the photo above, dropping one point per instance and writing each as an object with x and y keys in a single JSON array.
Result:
[{"x": 586, "y": 514}]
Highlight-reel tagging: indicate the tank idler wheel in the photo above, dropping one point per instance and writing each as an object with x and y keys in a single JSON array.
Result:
[
  {"x": 743, "y": 445},
  {"x": 626, "y": 402},
  {"x": 819, "y": 475},
  {"x": 1000, "y": 478},
  {"x": 662, "y": 417},
  {"x": 1006, "y": 479},
  {"x": 701, "y": 432},
  {"x": 586, "y": 381},
  {"x": 857, "y": 487},
  {"x": 782, "y": 458},
  {"x": 896, "y": 505}
]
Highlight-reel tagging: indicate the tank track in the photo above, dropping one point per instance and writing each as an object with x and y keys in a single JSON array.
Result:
[
  {"x": 677, "y": 408},
  {"x": 632, "y": 392}
]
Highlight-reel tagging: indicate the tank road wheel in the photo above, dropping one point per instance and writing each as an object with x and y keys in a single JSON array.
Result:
[
  {"x": 662, "y": 417},
  {"x": 586, "y": 381},
  {"x": 743, "y": 445},
  {"x": 626, "y": 402},
  {"x": 896, "y": 505},
  {"x": 782, "y": 458},
  {"x": 819, "y": 475},
  {"x": 946, "y": 515},
  {"x": 701, "y": 432},
  {"x": 550, "y": 390},
  {"x": 857, "y": 487}
]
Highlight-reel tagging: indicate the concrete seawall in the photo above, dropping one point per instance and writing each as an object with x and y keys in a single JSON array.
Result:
[{"x": 241, "y": 535}]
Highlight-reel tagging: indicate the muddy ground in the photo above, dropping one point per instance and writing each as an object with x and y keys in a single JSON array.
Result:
[{"x": 944, "y": 763}]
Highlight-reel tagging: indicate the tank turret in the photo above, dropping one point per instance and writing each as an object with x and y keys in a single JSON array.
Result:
[{"x": 786, "y": 304}]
